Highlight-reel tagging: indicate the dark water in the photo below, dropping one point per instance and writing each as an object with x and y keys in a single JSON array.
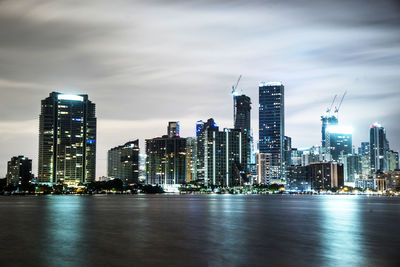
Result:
[{"x": 200, "y": 230}]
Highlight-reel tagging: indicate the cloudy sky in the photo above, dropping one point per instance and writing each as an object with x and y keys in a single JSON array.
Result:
[{"x": 145, "y": 63}]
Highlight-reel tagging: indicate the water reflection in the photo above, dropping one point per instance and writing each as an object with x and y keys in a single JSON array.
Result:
[
  {"x": 64, "y": 222},
  {"x": 342, "y": 233}
]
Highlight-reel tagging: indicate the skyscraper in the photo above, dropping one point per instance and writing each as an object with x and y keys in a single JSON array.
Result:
[
  {"x": 378, "y": 147},
  {"x": 19, "y": 171},
  {"x": 327, "y": 121},
  {"x": 339, "y": 141},
  {"x": 123, "y": 162},
  {"x": 222, "y": 156},
  {"x": 272, "y": 123},
  {"x": 242, "y": 112},
  {"x": 67, "y": 139},
  {"x": 166, "y": 159}
]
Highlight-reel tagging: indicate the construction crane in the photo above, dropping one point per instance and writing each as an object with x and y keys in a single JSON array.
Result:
[
  {"x": 234, "y": 87},
  {"x": 341, "y": 101},
  {"x": 328, "y": 110},
  {"x": 234, "y": 94}
]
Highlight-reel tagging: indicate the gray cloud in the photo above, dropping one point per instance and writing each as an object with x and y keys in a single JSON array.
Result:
[{"x": 146, "y": 62}]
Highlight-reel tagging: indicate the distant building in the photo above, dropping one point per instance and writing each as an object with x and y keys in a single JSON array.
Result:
[
  {"x": 191, "y": 159},
  {"x": 326, "y": 175},
  {"x": 19, "y": 171},
  {"x": 264, "y": 168},
  {"x": 242, "y": 110},
  {"x": 287, "y": 152},
  {"x": 123, "y": 162},
  {"x": 327, "y": 121},
  {"x": 222, "y": 156},
  {"x": 378, "y": 147},
  {"x": 173, "y": 129},
  {"x": 393, "y": 180},
  {"x": 298, "y": 178},
  {"x": 339, "y": 141},
  {"x": 392, "y": 160},
  {"x": 67, "y": 139},
  {"x": 272, "y": 122},
  {"x": 364, "y": 148},
  {"x": 352, "y": 167},
  {"x": 166, "y": 160}
]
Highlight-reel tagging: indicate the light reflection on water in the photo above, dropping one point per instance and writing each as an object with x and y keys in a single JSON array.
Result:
[
  {"x": 199, "y": 230},
  {"x": 342, "y": 237}
]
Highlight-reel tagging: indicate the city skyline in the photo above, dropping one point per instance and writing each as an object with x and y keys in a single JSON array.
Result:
[{"x": 136, "y": 100}]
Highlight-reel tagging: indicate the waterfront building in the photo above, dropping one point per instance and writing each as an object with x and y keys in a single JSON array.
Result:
[
  {"x": 191, "y": 159},
  {"x": 123, "y": 162},
  {"x": 272, "y": 123},
  {"x": 19, "y": 171},
  {"x": 352, "y": 165},
  {"x": 298, "y": 178},
  {"x": 365, "y": 164},
  {"x": 393, "y": 180},
  {"x": 67, "y": 139},
  {"x": 326, "y": 175},
  {"x": 166, "y": 160},
  {"x": 339, "y": 141},
  {"x": 222, "y": 156},
  {"x": 296, "y": 156},
  {"x": 287, "y": 153},
  {"x": 378, "y": 147}
]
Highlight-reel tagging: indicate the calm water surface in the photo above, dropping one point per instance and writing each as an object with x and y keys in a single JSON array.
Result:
[{"x": 200, "y": 230}]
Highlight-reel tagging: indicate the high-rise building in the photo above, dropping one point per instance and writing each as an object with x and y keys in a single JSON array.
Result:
[
  {"x": 191, "y": 159},
  {"x": 339, "y": 141},
  {"x": 327, "y": 121},
  {"x": 173, "y": 129},
  {"x": 364, "y": 148},
  {"x": 19, "y": 171},
  {"x": 222, "y": 156},
  {"x": 326, "y": 175},
  {"x": 67, "y": 139},
  {"x": 264, "y": 171},
  {"x": 392, "y": 160},
  {"x": 123, "y": 162},
  {"x": 272, "y": 122},
  {"x": 166, "y": 160},
  {"x": 352, "y": 167},
  {"x": 242, "y": 112},
  {"x": 287, "y": 151},
  {"x": 378, "y": 147}
]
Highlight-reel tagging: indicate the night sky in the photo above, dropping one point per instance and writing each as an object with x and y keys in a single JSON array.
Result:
[{"x": 145, "y": 63}]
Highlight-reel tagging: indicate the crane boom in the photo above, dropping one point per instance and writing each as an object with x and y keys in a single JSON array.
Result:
[
  {"x": 330, "y": 107},
  {"x": 236, "y": 85},
  {"x": 341, "y": 101}
]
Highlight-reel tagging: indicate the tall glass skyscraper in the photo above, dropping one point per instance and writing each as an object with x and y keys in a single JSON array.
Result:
[
  {"x": 123, "y": 162},
  {"x": 378, "y": 147},
  {"x": 67, "y": 139},
  {"x": 272, "y": 123},
  {"x": 242, "y": 112}
]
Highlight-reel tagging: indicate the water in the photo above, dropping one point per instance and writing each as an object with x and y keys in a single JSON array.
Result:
[{"x": 200, "y": 230}]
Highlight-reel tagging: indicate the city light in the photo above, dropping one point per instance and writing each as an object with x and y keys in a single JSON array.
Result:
[
  {"x": 70, "y": 97},
  {"x": 339, "y": 129}
]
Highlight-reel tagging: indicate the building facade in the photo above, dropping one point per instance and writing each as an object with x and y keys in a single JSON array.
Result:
[
  {"x": 67, "y": 139},
  {"x": 123, "y": 162},
  {"x": 378, "y": 147},
  {"x": 326, "y": 175},
  {"x": 166, "y": 160},
  {"x": 222, "y": 156},
  {"x": 272, "y": 122},
  {"x": 19, "y": 171},
  {"x": 339, "y": 142}
]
